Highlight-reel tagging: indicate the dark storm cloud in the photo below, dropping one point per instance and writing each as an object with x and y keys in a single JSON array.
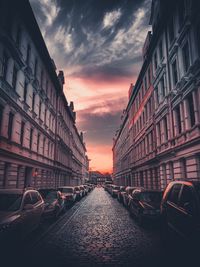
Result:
[{"x": 97, "y": 36}]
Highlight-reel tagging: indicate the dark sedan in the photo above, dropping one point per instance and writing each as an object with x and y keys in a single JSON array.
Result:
[
  {"x": 180, "y": 212},
  {"x": 145, "y": 204},
  {"x": 114, "y": 190},
  {"x": 20, "y": 212},
  {"x": 119, "y": 194},
  {"x": 69, "y": 194},
  {"x": 54, "y": 203}
]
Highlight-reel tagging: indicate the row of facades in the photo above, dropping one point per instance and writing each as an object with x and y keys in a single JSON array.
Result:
[
  {"x": 39, "y": 142},
  {"x": 159, "y": 137}
]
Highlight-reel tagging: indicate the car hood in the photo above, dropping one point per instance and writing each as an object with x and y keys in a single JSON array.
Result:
[
  {"x": 7, "y": 217},
  {"x": 150, "y": 205}
]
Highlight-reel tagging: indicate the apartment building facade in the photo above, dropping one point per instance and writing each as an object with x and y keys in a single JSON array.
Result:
[
  {"x": 40, "y": 145},
  {"x": 159, "y": 138}
]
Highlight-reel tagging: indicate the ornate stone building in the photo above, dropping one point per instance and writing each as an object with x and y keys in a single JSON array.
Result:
[
  {"x": 39, "y": 142},
  {"x": 159, "y": 138}
]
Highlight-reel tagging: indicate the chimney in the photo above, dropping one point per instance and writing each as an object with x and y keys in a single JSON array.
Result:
[
  {"x": 81, "y": 136},
  {"x": 71, "y": 105},
  {"x": 61, "y": 78}
]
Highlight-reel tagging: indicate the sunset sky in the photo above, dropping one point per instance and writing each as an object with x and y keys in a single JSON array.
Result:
[{"x": 98, "y": 44}]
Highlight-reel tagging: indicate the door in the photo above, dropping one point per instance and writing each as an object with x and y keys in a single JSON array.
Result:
[
  {"x": 27, "y": 222},
  {"x": 37, "y": 208},
  {"x": 187, "y": 212},
  {"x": 172, "y": 207}
]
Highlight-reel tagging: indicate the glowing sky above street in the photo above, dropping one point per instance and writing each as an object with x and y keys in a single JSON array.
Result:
[{"x": 98, "y": 44}]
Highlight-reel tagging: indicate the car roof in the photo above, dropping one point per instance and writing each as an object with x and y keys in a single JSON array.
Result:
[{"x": 186, "y": 182}]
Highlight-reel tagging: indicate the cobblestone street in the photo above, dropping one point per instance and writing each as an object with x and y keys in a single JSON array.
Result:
[{"x": 98, "y": 232}]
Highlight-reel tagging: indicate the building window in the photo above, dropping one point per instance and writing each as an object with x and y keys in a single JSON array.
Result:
[
  {"x": 22, "y": 133},
  {"x": 178, "y": 119},
  {"x": 10, "y": 125},
  {"x": 33, "y": 102},
  {"x": 191, "y": 110},
  {"x": 186, "y": 56},
  {"x": 28, "y": 54},
  {"x": 38, "y": 142},
  {"x": 18, "y": 37},
  {"x": 165, "y": 128},
  {"x": 171, "y": 30},
  {"x": 155, "y": 61},
  {"x": 161, "y": 50},
  {"x": 43, "y": 148},
  {"x": 171, "y": 170},
  {"x": 31, "y": 138},
  {"x": 4, "y": 65},
  {"x": 162, "y": 86},
  {"x": 145, "y": 83},
  {"x": 40, "y": 107},
  {"x": 14, "y": 77},
  {"x": 1, "y": 117},
  {"x": 41, "y": 78},
  {"x": 45, "y": 116},
  {"x": 35, "y": 67},
  {"x": 183, "y": 168},
  {"x": 156, "y": 96},
  {"x": 175, "y": 72},
  {"x": 25, "y": 91},
  {"x": 47, "y": 87},
  {"x": 159, "y": 133},
  {"x": 48, "y": 148},
  {"x": 149, "y": 76}
]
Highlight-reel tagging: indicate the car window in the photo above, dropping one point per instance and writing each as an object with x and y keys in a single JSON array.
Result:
[
  {"x": 174, "y": 193},
  {"x": 35, "y": 198},
  {"x": 10, "y": 202},
  {"x": 187, "y": 201},
  {"x": 27, "y": 199}
]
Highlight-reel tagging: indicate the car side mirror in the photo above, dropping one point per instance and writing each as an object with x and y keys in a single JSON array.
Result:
[{"x": 28, "y": 207}]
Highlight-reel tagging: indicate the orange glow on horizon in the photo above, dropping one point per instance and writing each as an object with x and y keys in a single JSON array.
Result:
[{"x": 94, "y": 92}]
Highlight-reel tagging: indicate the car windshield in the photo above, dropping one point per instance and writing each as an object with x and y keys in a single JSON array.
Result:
[
  {"x": 10, "y": 202},
  {"x": 67, "y": 190},
  {"x": 154, "y": 197},
  {"x": 46, "y": 194}
]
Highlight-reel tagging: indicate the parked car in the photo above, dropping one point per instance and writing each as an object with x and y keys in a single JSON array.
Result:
[
  {"x": 69, "y": 194},
  {"x": 180, "y": 211},
  {"x": 82, "y": 189},
  {"x": 114, "y": 190},
  {"x": 78, "y": 192},
  {"x": 109, "y": 188},
  {"x": 86, "y": 188},
  {"x": 20, "y": 212},
  {"x": 54, "y": 202},
  {"x": 119, "y": 194},
  {"x": 127, "y": 195},
  {"x": 145, "y": 204}
]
